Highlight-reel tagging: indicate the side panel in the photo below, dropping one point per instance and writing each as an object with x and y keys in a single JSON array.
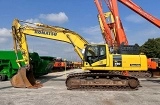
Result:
[
  {"x": 134, "y": 62},
  {"x": 122, "y": 63}
]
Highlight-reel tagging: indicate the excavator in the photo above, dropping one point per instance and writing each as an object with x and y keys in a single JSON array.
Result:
[
  {"x": 97, "y": 60},
  {"x": 114, "y": 34}
]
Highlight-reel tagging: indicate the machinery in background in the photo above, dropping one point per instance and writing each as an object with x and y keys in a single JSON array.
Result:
[
  {"x": 114, "y": 35},
  {"x": 62, "y": 64},
  {"x": 69, "y": 64},
  {"x": 40, "y": 66},
  {"x": 50, "y": 60},
  {"x": 77, "y": 65},
  {"x": 112, "y": 28},
  {"x": 9, "y": 66},
  {"x": 59, "y": 64}
]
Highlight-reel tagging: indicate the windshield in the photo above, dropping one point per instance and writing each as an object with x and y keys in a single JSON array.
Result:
[{"x": 94, "y": 53}]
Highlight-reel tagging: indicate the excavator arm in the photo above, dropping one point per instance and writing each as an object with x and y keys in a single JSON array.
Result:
[
  {"x": 24, "y": 77},
  {"x": 20, "y": 32}
]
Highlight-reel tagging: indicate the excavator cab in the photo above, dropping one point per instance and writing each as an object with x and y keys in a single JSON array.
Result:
[{"x": 94, "y": 53}]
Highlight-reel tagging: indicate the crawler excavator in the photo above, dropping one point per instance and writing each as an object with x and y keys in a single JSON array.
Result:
[
  {"x": 96, "y": 59},
  {"x": 114, "y": 34}
]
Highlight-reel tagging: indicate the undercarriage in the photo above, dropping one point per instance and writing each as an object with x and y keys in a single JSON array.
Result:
[
  {"x": 137, "y": 74},
  {"x": 101, "y": 81}
]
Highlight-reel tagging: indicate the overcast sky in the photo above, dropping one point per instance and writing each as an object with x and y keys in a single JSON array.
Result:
[{"x": 77, "y": 15}]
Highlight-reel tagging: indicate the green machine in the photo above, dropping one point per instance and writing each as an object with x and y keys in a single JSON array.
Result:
[
  {"x": 42, "y": 65},
  {"x": 9, "y": 67},
  {"x": 50, "y": 61}
]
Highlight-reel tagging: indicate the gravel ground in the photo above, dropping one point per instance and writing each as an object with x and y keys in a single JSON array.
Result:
[{"x": 54, "y": 92}]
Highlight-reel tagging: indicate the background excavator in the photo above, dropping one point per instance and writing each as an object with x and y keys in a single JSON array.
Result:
[{"x": 114, "y": 34}]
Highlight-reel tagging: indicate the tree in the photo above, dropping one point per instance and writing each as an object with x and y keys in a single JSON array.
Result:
[{"x": 151, "y": 48}]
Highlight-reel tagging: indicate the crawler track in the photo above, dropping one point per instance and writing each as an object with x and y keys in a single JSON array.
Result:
[{"x": 101, "y": 81}]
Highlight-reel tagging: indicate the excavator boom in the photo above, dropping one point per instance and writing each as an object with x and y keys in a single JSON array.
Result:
[
  {"x": 24, "y": 78},
  {"x": 19, "y": 33}
]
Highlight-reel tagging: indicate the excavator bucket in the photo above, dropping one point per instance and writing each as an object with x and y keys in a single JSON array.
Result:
[{"x": 24, "y": 79}]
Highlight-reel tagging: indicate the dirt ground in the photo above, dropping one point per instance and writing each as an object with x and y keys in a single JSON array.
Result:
[{"x": 54, "y": 92}]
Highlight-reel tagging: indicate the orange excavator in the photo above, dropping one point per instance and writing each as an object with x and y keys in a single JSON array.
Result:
[
  {"x": 117, "y": 36},
  {"x": 114, "y": 34}
]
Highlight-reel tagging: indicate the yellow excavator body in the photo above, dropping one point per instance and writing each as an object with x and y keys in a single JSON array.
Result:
[
  {"x": 119, "y": 62},
  {"x": 96, "y": 57}
]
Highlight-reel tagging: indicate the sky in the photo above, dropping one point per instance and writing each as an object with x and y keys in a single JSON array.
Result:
[{"x": 77, "y": 15}]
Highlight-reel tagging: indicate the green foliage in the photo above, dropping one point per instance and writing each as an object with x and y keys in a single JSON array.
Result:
[{"x": 151, "y": 48}]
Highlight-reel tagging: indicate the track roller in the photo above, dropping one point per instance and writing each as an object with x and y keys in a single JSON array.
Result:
[{"x": 133, "y": 83}]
